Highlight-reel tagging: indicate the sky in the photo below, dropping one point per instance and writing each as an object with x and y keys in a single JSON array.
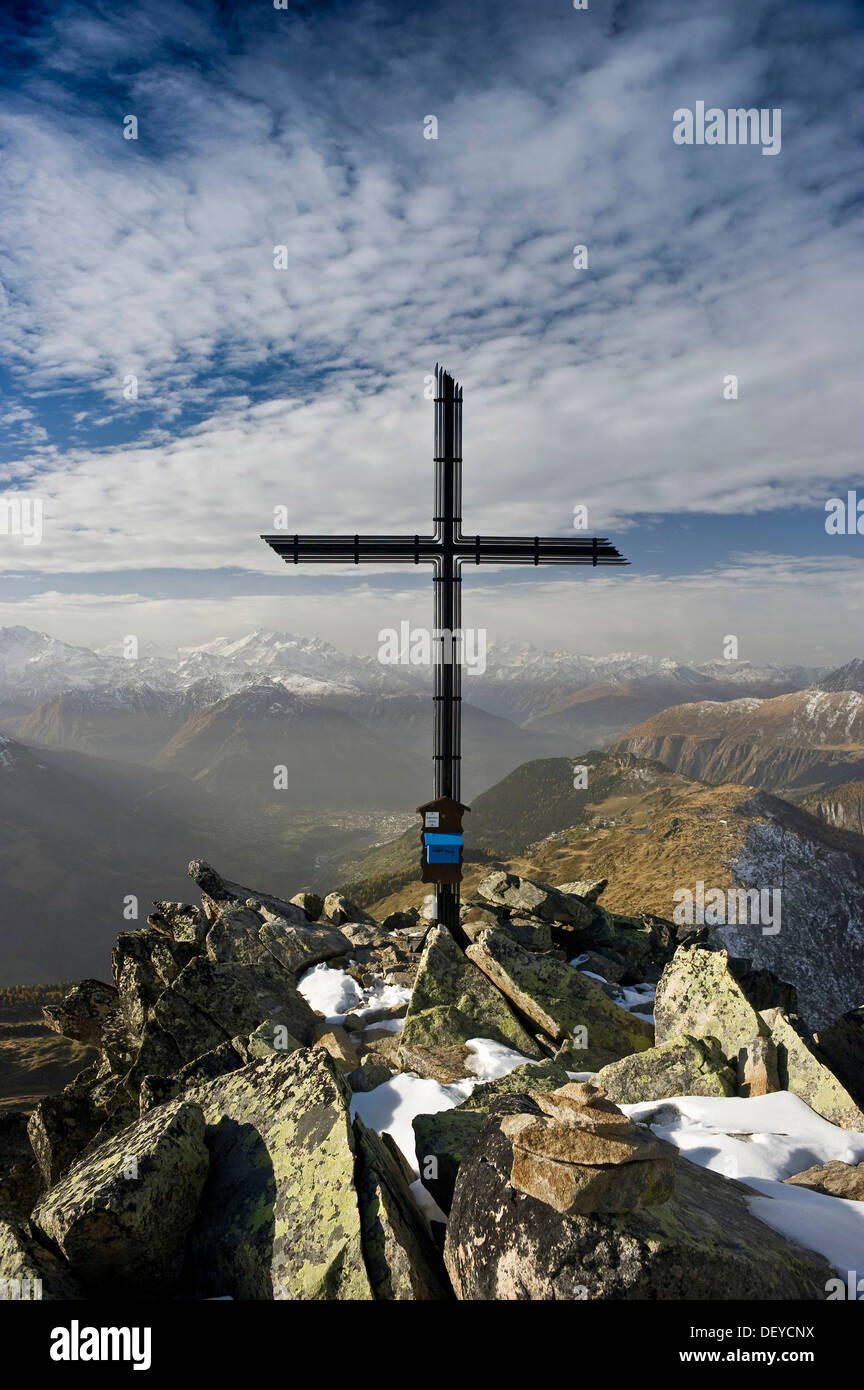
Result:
[{"x": 258, "y": 387}]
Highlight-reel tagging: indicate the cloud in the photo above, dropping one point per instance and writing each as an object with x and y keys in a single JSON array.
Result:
[
  {"x": 258, "y": 387},
  {"x": 781, "y": 608}
]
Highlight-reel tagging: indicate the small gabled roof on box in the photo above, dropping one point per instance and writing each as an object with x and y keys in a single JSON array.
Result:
[{"x": 440, "y": 802}]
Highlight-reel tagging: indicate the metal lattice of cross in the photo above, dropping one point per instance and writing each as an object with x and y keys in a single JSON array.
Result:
[{"x": 447, "y": 550}]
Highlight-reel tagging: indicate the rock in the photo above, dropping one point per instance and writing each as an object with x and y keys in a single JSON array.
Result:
[
  {"x": 297, "y": 948},
  {"x": 582, "y": 1155},
  {"x": 835, "y": 1179},
  {"x": 234, "y": 936},
  {"x": 701, "y": 1244},
  {"x": 20, "y": 1179},
  {"x": 441, "y": 1140},
  {"x": 801, "y": 1071},
  {"x": 559, "y": 1000},
  {"x": 59, "y": 1128},
  {"x": 183, "y": 921},
  {"x": 310, "y": 904},
  {"x": 339, "y": 909},
  {"x": 279, "y": 1216},
  {"x": 531, "y": 933},
  {"x": 29, "y": 1271},
  {"x": 587, "y": 888},
  {"x": 120, "y": 1216},
  {"x": 757, "y": 1068},
  {"x": 699, "y": 995},
  {"x": 451, "y": 1002},
  {"x": 401, "y": 1258},
  {"x": 83, "y": 1012},
  {"x": 842, "y": 1046},
  {"x": 336, "y": 1042},
  {"x": 368, "y": 1075},
  {"x": 474, "y": 919},
  {"x": 681, "y": 1066},
  {"x": 230, "y": 999},
  {"x": 613, "y": 971},
  {"x": 362, "y": 933},
  {"x": 269, "y": 1039},
  {"x": 401, "y": 921},
  {"x": 535, "y": 899},
  {"x": 217, "y": 891},
  {"x": 762, "y": 988}
]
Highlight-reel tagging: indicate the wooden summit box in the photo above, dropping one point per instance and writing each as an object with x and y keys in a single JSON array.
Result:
[{"x": 442, "y": 844}]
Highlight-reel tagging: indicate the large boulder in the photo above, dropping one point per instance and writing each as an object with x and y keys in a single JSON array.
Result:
[
  {"x": 279, "y": 1217},
  {"x": 59, "y": 1128},
  {"x": 700, "y": 1244},
  {"x": 217, "y": 891},
  {"x": 298, "y": 947},
  {"x": 29, "y": 1271},
  {"x": 681, "y": 1066},
  {"x": 451, "y": 1002},
  {"x": 560, "y": 1001},
  {"x": 803, "y": 1072},
  {"x": 210, "y": 1002},
  {"x": 699, "y": 995},
  {"x": 532, "y": 899},
  {"x": 121, "y": 1215},
  {"x": 83, "y": 1012}
]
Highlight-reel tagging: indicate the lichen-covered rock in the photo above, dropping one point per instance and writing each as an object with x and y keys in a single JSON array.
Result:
[
  {"x": 83, "y": 1012},
  {"x": 700, "y": 1244},
  {"x": 120, "y": 1216},
  {"x": 29, "y": 1271},
  {"x": 834, "y": 1179},
  {"x": 451, "y": 1002},
  {"x": 279, "y": 1216},
  {"x": 401, "y": 1258},
  {"x": 233, "y": 935},
  {"x": 217, "y": 891},
  {"x": 803, "y": 1072},
  {"x": 560, "y": 1001},
  {"x": 59, "y": 1128},
  {"x": 681, "y": 1066},
  {"x": 182, "y": 921},
  {"x": 699, "y": 995},
  {"x": 442, "y": 1139},
  {"x": 297, "y": 948},
  {"x": 534, "y": 899},
  {"x": 588, "y": 889},
  {"x": 268, "y": 1039},
  {"x": 211, "y": 1002}
]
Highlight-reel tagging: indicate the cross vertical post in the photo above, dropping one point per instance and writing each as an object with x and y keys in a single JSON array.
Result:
[
  {"x": 447, "y": 750},
  {"x": 447, "y": 550}
]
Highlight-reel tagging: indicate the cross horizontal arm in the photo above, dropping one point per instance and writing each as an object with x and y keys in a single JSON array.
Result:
[
  {"x": 343, "y": 550},
  {"x": 537, "y": 550}
]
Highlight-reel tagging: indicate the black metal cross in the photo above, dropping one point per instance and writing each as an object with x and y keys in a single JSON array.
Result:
[{"x": 447, "y": 550}]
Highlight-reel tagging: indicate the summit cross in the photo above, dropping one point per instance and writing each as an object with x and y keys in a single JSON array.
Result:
[{"x": 447, "y": 550}]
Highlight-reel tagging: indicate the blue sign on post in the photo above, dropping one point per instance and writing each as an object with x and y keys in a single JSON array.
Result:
[{"x": 442, "y": 848}]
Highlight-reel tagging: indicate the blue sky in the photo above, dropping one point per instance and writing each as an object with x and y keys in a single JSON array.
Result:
[{"x": 257, "y": 387}]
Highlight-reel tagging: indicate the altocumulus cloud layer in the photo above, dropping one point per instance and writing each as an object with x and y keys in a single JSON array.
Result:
[{"x": 304, "y": 386}]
